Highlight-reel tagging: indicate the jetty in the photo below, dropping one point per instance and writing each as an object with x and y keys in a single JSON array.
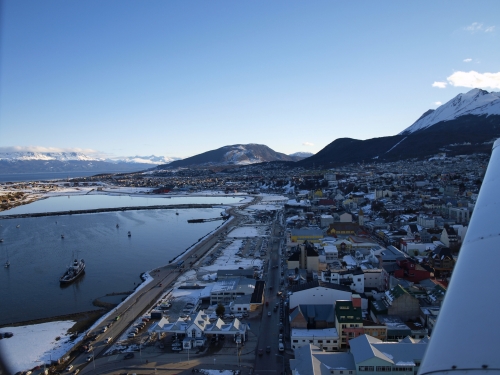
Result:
[{"x": 112, "y": 209}]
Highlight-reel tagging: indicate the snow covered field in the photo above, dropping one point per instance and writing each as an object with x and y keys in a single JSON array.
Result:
[
  {"x": 36, "y": 344},
  {"x": 243, "y": 232}
]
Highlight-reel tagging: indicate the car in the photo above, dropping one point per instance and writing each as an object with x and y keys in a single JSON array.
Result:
[
  {"x": 117, "y": 318},
  {"x": 281, "y": 347},
  {"x": 129, "y": 355},
  {"x": 104, "y": 329},
  {"x": 269, "y": 313},
  {"x": 76, "y": 371},
  {"x": 131, "y": 335},
  {"x": 108, "y": 340},
  {"x": 90, "y": 358},
  {"x": 268, "y": 349},
  {"x": 261, "y": 352},
  {"x": 69, "y": 368}
]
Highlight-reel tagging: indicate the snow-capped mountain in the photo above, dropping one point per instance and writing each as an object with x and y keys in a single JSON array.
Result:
[
  {"x": 152, "y": 159},
  {"x": 231, "y": 155},
  {"x": 475, "y": 102},
  {"x": 38, "y": 162},
  {"x": 60, "y": 156}
]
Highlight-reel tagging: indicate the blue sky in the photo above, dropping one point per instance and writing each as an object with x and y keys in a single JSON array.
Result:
[{"x": 177, "y": 78}]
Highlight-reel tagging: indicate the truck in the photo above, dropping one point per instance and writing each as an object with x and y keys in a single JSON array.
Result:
[{"x": 180, "y": 264}]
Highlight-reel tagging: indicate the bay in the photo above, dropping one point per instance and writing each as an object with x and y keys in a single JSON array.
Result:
[{"x": 38, "y": 255}]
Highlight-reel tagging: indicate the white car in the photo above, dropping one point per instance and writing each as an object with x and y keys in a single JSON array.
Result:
[
  {"x": 69, "y": 368},
  {"x": 108, "y": 340},
  {"x": 281, "y": 347}
]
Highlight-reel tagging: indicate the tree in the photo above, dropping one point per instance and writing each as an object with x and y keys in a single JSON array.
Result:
[{"x": 220, "y": 310}]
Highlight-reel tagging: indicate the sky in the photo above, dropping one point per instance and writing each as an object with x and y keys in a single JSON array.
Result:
[{"x": 178, "y": 78}]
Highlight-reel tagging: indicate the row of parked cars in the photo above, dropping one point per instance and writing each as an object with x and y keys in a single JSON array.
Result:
[{"x": 135, "y": 329}]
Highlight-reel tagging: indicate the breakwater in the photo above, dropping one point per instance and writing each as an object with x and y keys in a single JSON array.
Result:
[{"x": 111, "y": 209}]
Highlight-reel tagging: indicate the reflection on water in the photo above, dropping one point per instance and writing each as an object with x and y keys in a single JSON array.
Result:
[{"x": 30, "y": 288}]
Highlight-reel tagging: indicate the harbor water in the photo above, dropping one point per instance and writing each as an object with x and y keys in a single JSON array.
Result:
[{"x": 38, "y": 254}]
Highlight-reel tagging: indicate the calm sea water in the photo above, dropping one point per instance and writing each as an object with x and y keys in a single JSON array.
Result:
[
  {"x": 86, "y": 202},
  {"x": 38, "y": 255},
  {"x": 19, "y": 177}
]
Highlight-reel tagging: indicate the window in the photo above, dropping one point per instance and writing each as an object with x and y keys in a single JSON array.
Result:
[
  {"x": 327, "y": 341},
  {"x": 366, "y": 368},
  {"x": 384, "y": 368},
  {"x": 320, "y": 341}
]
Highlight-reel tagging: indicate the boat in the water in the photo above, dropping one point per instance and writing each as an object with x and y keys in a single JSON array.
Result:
[
  {"x": 73, "y": 272},
  {"x": 62, "y": 236},
  {"x": 129, "y": 234},
  {"x": 117, "y": 226},
  {"x": 7, "y": 264}
]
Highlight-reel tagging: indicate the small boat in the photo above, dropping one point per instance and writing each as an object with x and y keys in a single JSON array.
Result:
[
  {"x": 7, "y": 264},
  {"x": 177, "y": 213},
  {"x": 73, "y": 272},
  {"x": 62, "y": 236},
  {"x": 1, "y": 239},
  {"x": 18, "y": 225},
  {"x": 117, "y": 226},
  {"x": 129, "y": 234}
]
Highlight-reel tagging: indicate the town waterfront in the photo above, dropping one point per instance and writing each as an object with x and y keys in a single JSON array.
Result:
[{"x": 114, "y": 261}]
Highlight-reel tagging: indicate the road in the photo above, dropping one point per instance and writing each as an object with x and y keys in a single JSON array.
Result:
[{"x": 143, "y": 299}]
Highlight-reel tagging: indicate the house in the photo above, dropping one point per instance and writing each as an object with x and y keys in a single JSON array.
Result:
[
  {"x": 396, "y": 301},
  {"x": 441, "y": 260},
  {"x": 353, "y": 278},
  {"x": 411, "y": 271},
  {"x": 312, "y": 360},
  {"x": 348, "y": 319},
  {"x": 326, "y": 339},
  {"x": 449, "y": 237},
  {"x": 306, "y": 257},
  {"x": 373, "y": 356},
  {"x": 342, "y": 228},
  {"x": 306, "y": 234}
]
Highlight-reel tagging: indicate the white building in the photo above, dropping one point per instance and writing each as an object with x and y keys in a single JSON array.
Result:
[
  {"x": 315, "y": 293},
  {"x": 326, "y": 339}
]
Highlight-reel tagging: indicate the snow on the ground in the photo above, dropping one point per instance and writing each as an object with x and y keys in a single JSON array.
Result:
[
  {"x": 273, "y": 198},
  {"x": 229, "y": 260},
  {"x": 263, "y": 207},
  {"x": 35, "y": 345},
  {"x": 241, "y": 232}
]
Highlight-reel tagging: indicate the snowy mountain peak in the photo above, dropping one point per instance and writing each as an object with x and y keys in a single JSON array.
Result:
[
  {"x": 60, "y": 156},
  {"x": 475, "y": 102}
]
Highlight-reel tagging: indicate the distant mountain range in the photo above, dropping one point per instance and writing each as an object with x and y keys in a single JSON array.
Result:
[
  {"x": 233, "y": 155},
  {"x": 469, "y": 123},
  {"x": 38, "y": 162}
]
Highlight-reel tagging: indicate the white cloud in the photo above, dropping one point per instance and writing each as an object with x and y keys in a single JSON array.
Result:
[
  {"x": 437, "y": 103},
  {"x": 474, "y": 79},
  {"x": 476, "y": 26},
  {"x": 86, "y": 151},
  {"x": 440, "y": 85},
  {"x": 308, "y": 144},
  {"x": 467, "y": 60}
]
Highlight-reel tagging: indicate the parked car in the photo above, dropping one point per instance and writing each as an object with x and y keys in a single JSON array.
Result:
[
  {"x": 69, "y": 368},
  {"x": 261, "y": 352},
  {"x": 108, "y": 340},
  {"x": 269, "y": 313},
  {"x": 268, "y": 349},
  {"x": 129, "y": 355},
  {"x": 89, "y": 358},
  {"x": 281, "y": 347}
]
